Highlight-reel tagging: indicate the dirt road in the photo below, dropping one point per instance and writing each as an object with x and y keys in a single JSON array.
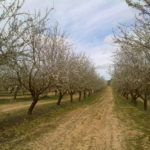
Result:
[
  {"x": 94, "y": 127},
  {"x": 4, "y": 108},
  {"x": 20, "y": 105}
]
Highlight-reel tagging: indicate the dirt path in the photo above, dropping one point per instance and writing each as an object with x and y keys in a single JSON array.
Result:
[
  {"x": 11, "y": 107},
  {"x": 94, "y": 127},
  {"x": 20, "y": 105}
]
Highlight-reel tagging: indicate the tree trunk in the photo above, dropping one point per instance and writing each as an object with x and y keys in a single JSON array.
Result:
[
  {"x": 23, "y": 92},
  {"x": 145, "y": 104},
  {"x": 80, "y": 94},
  {"x": 15, "y": 96},
  {"x": 84, "y": 94},
  {"x": 71, "y": 97},
  {"x": 15, "y": 93},
  {"x": 89, "y": 93},
  {"x": 59, "y": 98},
  {"x": 127, "y": 96},
  {"x": 30, "y": 110},
  {"x": 55, "y": 92},
  {"x": 134, "y": 99}
]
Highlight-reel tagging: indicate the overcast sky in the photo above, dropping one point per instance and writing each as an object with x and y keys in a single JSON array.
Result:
[{"x": 89, "y": 25}]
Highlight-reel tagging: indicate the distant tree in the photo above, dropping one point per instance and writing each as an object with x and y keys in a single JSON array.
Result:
[{"x": 38, "y": 58}]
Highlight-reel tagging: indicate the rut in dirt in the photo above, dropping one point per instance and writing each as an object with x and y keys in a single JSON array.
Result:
[{"x": 94, "y": 127}]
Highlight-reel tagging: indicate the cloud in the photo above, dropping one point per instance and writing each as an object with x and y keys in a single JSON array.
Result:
[
  {"x": 89, "y": 24},
  {"x": 101, "y": 55},
  {"x": 108, "y": 39}
]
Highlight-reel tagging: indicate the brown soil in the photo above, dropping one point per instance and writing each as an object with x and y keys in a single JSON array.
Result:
[
  {"x": 12, "y": 107},
  {"x": 4, "y": 108},
  {"x": 93, "y": 127}
]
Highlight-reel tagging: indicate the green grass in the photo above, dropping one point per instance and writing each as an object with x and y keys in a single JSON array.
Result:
[
  {"x": 137, "y": 120},
  {"x": 6, "y": 93},
  {"x": 17, "y": 129},
  {"x": 8, "y": 99}
]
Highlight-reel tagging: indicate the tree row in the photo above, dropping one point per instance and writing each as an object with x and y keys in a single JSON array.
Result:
[
  {"x": 131, "y": 75},
  {"x": 37, "y": 57}
]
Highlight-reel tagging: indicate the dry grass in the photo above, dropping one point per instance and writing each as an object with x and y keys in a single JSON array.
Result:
[
  {"x": 136, "y": 121},
  {"x": 17, "y": 129}
]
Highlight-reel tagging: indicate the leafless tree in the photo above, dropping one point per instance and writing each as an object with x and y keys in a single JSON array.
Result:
[
  {"x": 32, "y": 70},
  {"x": 38, "y": 57},
  {"x": 132, "y": 59},
  {"x": 13, "y": 25}
]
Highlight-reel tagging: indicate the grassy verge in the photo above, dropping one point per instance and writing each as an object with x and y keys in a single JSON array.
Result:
[
  {"x": 16, "y": 128},
  {"x": 25, "y": 98},
  {"x": 137, "y": 122}
]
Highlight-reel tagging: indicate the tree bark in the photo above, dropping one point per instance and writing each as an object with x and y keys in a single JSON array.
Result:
[
  {"x": 15, "y": 96},
  {"x": 30, "y": 110},
  {"x": 84, "y": 94},
  {"x": 126, "y": 96},
  {"x": 134, "y": 99},
  {"x": 80, "y": 94},
  {"x": 71, "y": 97},
  {"x": 145, "y": 104},
  {"x": 55, "y": 92},
  {"x": 60, "y": 98},
  {"x": 15, "y": 93},
  {"x": 89, "y": 93}
]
